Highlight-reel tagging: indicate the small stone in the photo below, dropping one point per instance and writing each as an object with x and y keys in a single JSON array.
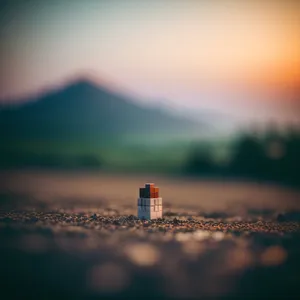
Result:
[{"x": 281, "y": 218}]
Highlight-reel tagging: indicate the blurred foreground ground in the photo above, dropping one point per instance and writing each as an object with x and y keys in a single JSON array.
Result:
[{"x": 75, "y": 235}]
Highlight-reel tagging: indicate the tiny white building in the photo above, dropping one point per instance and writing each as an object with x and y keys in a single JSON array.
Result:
[{"x": 149, "y": 203}]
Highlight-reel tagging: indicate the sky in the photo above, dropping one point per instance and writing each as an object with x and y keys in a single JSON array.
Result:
[{"x": 240, "y": 58}]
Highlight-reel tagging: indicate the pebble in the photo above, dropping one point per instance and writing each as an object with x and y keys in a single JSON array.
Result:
[
  {"x": 272, "y": 256},
  {"x": 142, "y": 254},
  {"x": 108, "y": 277}
]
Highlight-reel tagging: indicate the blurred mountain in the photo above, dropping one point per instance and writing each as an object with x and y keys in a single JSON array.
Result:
[{"x": 83, "y": 110}]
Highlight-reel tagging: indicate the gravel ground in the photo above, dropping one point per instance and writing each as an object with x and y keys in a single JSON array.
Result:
[
  {"x": 86, "y": 250},
  {"x": 87, "y": 254}
]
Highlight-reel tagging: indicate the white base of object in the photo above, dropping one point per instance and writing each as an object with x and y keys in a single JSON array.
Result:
[
  {"x": 149, "y": 201},
  {"x": 149, "y": 208},
  {"x": 149, "y": 214}
]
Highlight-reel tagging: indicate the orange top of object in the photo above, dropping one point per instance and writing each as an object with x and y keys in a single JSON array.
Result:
[
  {"x": 149, "y": 184},
  {"x": 149, "y": 191}
]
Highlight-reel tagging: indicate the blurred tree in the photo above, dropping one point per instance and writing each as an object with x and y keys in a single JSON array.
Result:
[
  {"x": 200, "y": 161},
  {"x": 249, "y": 158},
  {"x": 268, "y": 155}
]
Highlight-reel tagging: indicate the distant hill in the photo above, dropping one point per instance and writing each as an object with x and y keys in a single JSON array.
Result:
[{"x": 83, "y": 110}]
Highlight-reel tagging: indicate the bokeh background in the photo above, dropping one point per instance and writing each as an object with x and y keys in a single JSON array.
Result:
[
  {"x": 200, "y": 97},
  {"x": 209, "y": 88}
]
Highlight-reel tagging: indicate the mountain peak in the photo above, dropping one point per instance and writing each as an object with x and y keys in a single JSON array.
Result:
[
  {"x": 80, "y": 109},
  {"x": 88, "y": 80},
  {"x": 82, "y": 85}
]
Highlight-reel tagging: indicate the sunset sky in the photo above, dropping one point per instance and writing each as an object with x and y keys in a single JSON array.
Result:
[{"x": 240, "y": 57}]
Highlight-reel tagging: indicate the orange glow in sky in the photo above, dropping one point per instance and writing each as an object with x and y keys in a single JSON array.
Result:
[{"x": 157, "y": 49}]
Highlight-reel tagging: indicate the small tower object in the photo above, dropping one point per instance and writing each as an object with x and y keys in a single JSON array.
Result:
[{"x": 149, "y": 203}]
